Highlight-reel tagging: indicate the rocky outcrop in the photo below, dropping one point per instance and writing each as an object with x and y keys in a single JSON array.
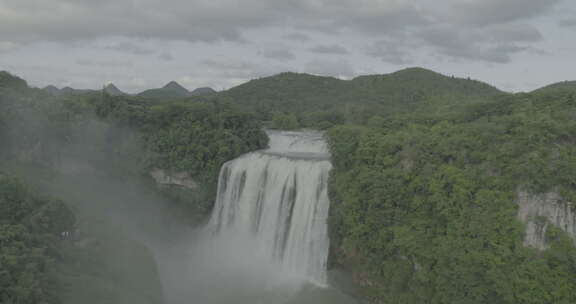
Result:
[
  {"x": 539, "y": 211},
  {"x": 182, "y": 179}
]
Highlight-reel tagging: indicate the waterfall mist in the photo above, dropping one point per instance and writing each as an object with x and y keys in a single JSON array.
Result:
[{"x": 266, "y": 241}]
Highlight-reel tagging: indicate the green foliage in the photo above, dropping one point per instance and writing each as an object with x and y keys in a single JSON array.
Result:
[
  {"x": 423, "y": 207},
  {"x": 9, "y": 81},
  {"x": 285, "y": 121},
  {"x": 426, "y": 170},
  {"x": 559, "y": 86},
  {"x": 30, "y": 227},
  {"x": 120, "y": 137},
  {"x": 321, "y": 102},
  {"x": 196, "y": 137}
]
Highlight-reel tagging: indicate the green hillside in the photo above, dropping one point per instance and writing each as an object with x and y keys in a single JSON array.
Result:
[
  {"x": 313, "y": 99},
  {"x": 171, "y": 90},
  {"x": 425, "y": 210},
  {"x": 564, "y": 85}
]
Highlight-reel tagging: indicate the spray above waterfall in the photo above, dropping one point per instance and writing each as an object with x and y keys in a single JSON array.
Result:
[{"x": 278, "y": 199}]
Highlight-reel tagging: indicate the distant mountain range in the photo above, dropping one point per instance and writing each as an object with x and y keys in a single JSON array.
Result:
[
  {"x": 170, "y": 90},
  {"x": 290, "y": 91}
]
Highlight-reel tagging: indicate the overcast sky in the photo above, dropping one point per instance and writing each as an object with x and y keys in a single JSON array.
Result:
[{"x": 517, "y": 45}]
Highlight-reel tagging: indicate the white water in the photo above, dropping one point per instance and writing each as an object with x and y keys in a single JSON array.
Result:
[{"x": 274, "y": 203}]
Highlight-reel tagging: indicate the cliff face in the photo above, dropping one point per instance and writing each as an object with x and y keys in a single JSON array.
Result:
[{"x": 539, "y": 211}]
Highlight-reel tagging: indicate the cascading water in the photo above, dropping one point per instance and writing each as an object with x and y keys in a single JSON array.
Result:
[{"x": 277, "y": 198}]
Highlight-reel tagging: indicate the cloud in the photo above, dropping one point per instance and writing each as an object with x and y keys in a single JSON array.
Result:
[
  {"x": 329, "y": 49},
  {"x": 494, "y": 44},
  {"x": 200, "y": 20},
  {"x": 103, "y": 63},
  {"x": 492, "y": 12},
  {"x": 390, "y": 52},
  {"x": 64, "y": 20},
  {"x": 337, "y": 68},
  {"x": 568, "y": 23},
  {"x": 279, "y": 54},
  {"x": 237, "y": 70},
  {"x": 130, "y": 48},
  {"x": 296, "y": 37},
  {"x": 514, "y": 33},
  {"x": 8, "y": 46},
  {"x": 165, "y": 56},
  {"x": 25, "y": 21}
]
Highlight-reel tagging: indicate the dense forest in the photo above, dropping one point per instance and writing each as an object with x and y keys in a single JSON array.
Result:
[
  {"x": 57, "y": 245},
  {"x": 425, "y": 210},
  {"x": 429, "y": 171}
]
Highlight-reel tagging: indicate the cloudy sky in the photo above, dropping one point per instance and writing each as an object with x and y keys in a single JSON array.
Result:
[{"x": 516, "y": 45}]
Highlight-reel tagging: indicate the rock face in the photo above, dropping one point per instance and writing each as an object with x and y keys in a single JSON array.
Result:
[
  {"x": 539, "y": 211},
  {"x": 182, "y": 179}
]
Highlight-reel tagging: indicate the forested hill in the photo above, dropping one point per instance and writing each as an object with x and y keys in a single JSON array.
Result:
[
  {"x": 563, "y": 85},
  {"x": 11, "y": 82},
  {"x": 401, "y": 91}
]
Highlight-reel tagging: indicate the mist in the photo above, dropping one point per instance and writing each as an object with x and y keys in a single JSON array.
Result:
[{"x": 91, "y": 166}]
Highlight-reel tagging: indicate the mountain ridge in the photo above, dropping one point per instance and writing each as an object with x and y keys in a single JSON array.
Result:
[
  {"x": 562, "y": 85},
  {"x": 112, "y": 90}
]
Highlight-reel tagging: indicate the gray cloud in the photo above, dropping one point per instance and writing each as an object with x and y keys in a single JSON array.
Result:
[
  {"x": 239, "y": 70},
  {"x": 459, "y": 44},
  {"x": 8, "y": 46},
  {"x": 130, "y": 48},
  {"x": 514, "y": 33},
  {"x": 279, "y": 54},
  {"x": 338, "y": 68},
  {"x": 490, "y": 12},
  {"x": 63, "y": 20},
  {"x": 103, "y": 63},
  {"x": 390, "y": 52},
  {"x": 568, "y": 23},
  {"x": 203, "y": 20},
  {"x": 333, "y": 49},
  {"x": 296, "y": 37},
  {"x": 165, "y": 56},
  {"x": 217, "y": 20}
]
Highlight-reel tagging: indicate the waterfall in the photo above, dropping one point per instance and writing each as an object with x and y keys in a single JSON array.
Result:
[{"x": 278, "y": 199}]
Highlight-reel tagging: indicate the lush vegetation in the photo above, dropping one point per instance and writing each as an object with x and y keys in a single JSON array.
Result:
[
  {"x": 45, "y": 137},
  {"x": 559, "y": 86},
  {"x": 423, "y": 205},
  {"x": 322, "y": 102},
  {"x": 193, "y": 137},
  {"x": 31, "y": 230},
  {"x": 427, "y": 169}
]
